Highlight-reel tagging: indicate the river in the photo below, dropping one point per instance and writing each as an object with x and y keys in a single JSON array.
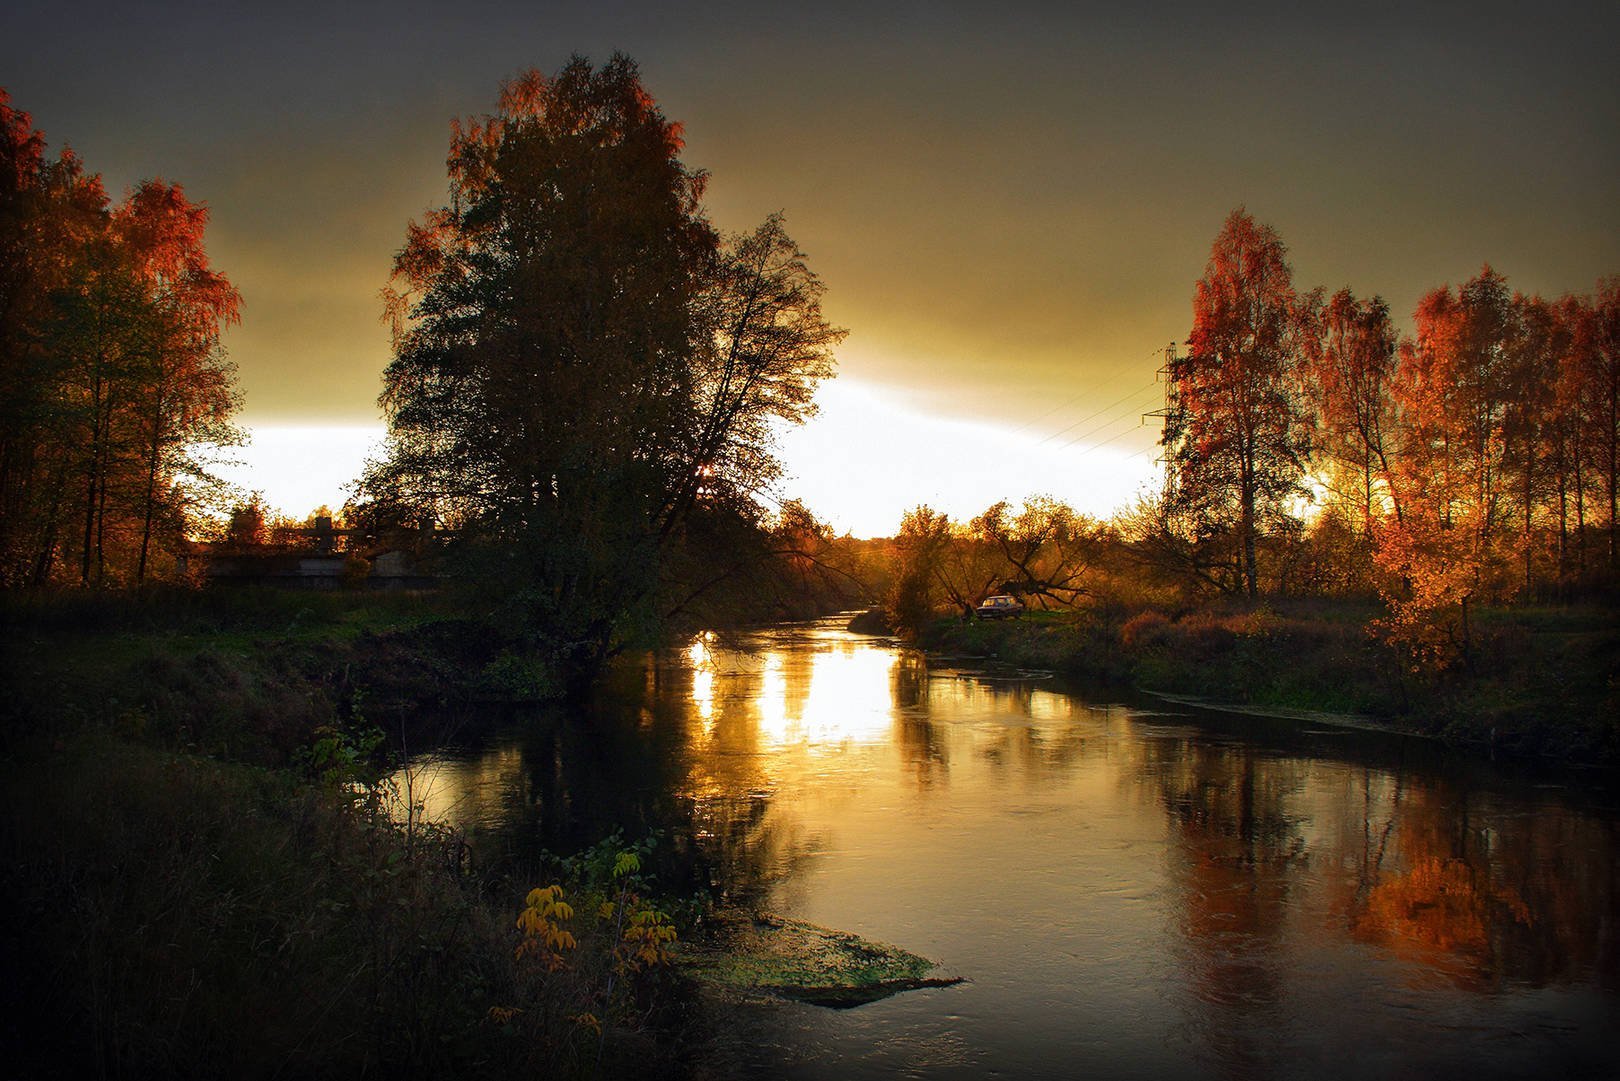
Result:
[{"x": 1129, "y": 891}]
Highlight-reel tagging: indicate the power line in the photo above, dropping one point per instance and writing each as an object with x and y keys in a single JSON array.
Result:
[
  {"x": 1112, "y": 405},
  {"x": 1083, "y": 436},
  {"x": 1064, "y": 405},
  {"x": 1105, "y": 442}
]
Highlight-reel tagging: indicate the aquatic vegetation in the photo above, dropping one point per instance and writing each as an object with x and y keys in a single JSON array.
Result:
[{"x": 768, "y": 955}]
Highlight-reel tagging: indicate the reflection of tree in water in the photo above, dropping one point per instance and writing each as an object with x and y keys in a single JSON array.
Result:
[
  {"x": 638, "y": 760},
  {"x": 1449, "y": 888},
  {"x": 908, "y": 681},
  {"x": 921, "y": 742},
  {"x": 1034, "y": 736},
  {"x": 743, "y": 841},
  {"x": 594, "y": 770},
  {"x": 1232, "y": 846}
]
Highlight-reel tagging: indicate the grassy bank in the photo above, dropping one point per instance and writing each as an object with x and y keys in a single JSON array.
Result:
[
  {"x": 207, "y": 875},
  {"x": 245, "y": 675},
  {"x": 1542, "y": 682}
]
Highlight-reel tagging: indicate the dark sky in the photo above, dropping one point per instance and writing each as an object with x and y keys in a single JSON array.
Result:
[{"x": 1009, "y": 203}]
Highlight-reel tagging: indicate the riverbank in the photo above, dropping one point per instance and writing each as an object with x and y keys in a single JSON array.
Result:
[
  {"x": 1545, "y": 682},
  {"x": 211, "y": 872}
]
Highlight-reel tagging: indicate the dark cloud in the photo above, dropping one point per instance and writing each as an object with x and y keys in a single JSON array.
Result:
[{"x": 1009, "y": 204}]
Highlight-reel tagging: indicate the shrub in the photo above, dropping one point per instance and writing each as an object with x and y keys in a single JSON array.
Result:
[{"x": 1144, "y": 629}]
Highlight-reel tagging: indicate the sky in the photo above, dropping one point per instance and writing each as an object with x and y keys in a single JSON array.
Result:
[{"x": 1009, "y": 204}]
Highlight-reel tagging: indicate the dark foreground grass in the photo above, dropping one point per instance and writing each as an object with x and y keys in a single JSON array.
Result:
[
  {"x": 203, "y": 877},
  {"x": 175, "y": 916},
  {"x": 242, "y": 674}
]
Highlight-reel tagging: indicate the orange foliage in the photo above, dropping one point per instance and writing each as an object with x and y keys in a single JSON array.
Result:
[
  {"x": 110, "y": 369},
  {"x": 1439, "y": 904}
]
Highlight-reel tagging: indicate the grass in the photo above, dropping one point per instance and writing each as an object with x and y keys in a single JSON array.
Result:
[
  {"x": 206, "y": 878},
  {"x": 175, "y": 916},
  {"x": 1544, "y": 681}
]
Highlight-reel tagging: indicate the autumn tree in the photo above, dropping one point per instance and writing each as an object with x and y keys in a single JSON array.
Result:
[
  {"x": 1598, "y": 364},
  {"x": 579, "y": 361},
  {"x": 1349, "y": 369},
  {"x": 923, "y": 546},
  {"x": 1454, "y": 388},
  {"x": 112, "y": 380},
  {"x": 1538, "y": 338},
  {"x": 48, "y": 210},
  {"x": 1045, "y": 550},
  {"x": 184, "y": 397},
  {"x": 1237, "y": 434},
  {"x": 1570, "y": 436}
]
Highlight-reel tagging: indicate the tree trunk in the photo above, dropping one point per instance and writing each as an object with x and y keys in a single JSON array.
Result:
[
  {"x": 153, "y": 454},
  {"x": 1529, "y": 540}
]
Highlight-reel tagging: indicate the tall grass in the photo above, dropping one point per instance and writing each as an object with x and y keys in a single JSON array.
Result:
[{"x": 174, "y": 916}]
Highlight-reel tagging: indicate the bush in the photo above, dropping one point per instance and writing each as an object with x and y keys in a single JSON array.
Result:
[
  {"x": 178, "y": 917},
  {"x": 1144, "y": 629}
]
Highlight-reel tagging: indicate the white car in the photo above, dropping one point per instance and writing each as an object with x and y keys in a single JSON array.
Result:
[{"x": 1001, "y": 606}]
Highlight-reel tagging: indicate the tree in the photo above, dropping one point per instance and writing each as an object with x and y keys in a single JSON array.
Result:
[
  {"x": 579, "y": 361},
  {"x": 922, "y": 547},
  {"x": 48, "y": 211},
  {"x": 1573, "y": 419},
  {"x": 1454, "y": 388},
  {"x": 1539, "y": 338},
  {"x": 111, "y": 375},
  {"x": 185, "y": 394},
  {"x": 1046, "y": 550},
  {"x": 1350, "y": 370},
  {"x": 762, "y": 349},
  {"x": 1599, "y": 360},
  {"x": 1236, "y": 434}
]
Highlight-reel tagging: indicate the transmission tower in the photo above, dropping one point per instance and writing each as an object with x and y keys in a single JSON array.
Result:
[{"x": 1170, "y": 415}]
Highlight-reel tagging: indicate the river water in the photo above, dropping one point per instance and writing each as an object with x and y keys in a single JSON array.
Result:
[{"x": 1129, "y": 891}]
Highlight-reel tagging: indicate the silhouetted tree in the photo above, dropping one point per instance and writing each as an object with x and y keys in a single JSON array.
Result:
[
  {"x": 1045, "y": 550},
  {"x": 1349, "y": 373},
  {"x": 1599, "y": 363},
  {"x": 579, "y": 362}
]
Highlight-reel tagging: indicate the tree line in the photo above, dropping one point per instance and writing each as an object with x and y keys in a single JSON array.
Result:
[
  {"x": 1472, "y": 461},
  {"x": 112, "y": 380},
  {"x": 1311, "y": 450},
  {"x": 587, "y": 376}
]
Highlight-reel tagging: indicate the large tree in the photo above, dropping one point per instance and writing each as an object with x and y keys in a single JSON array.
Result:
[
  {"x": 1237, "y": 433},
  {"x": 1599, "y": 353},
  {"x": 579, "y": 360}
]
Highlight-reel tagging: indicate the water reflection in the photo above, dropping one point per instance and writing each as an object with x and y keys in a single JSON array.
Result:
[{"x": 1129, "y": 892}]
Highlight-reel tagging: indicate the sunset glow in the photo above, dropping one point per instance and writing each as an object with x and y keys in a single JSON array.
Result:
[
  {"x": 830, "y": 540},
  {"x": 1004, "y": 221},
  {"x": 297, "y": 468}
]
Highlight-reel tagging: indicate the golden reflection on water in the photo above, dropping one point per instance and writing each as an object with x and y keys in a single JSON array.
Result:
[
  {"x": 1091, "y": 854},
  {"x": 844, "y": 701},
  {"x": 470, "y": 792}
]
